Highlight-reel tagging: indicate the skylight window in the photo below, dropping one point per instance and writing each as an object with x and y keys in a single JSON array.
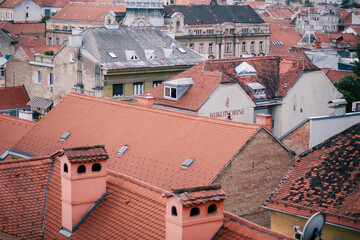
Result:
[
  {"x": 277, "y": 43},
  {"x": 245, "y": 69},
  {"x": 122, "y": 150},
  {"x": 181, "y": 50},
  {"x": 113, "y": 55},
  {"x": 187, "y": 163},
  {"x": 65, "y": 136}
]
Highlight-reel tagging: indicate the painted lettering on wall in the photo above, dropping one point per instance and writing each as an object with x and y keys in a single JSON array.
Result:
[{"x": 224, "y": 114}]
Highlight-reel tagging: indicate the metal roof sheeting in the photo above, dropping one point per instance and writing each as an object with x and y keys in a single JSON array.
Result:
[{"x": 40, "y": 102}]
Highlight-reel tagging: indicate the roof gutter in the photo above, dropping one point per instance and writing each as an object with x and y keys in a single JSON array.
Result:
[{"x": 300, "y": 216}]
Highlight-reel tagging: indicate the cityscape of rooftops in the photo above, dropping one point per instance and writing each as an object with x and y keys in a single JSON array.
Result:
[{"x": 180, "y": 119}]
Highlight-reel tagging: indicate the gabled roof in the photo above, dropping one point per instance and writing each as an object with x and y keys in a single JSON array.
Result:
[
  {"x": 336, "y": 75},
  {"x": 86, "y": 12},
  {"x": 30, "y": 204},
  {"x": 348, "y": 38},
  {"x": 12, "y": 129},
  {"x": 31, "y": 50},
  {"x": 205, "y": 14},
  {"x": 104, "y": 45},
  {"x": 13, "y": 97},
  {"x": 32, "y": 29},
  {"x": 324, "y": 179},
  {"x": 10, "y": 3},
  {"x": 277, "y": 74},
  {"x": 151, "y": 134}
]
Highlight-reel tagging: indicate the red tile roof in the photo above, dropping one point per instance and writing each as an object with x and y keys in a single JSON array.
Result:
[
  {"x": 34, "y": 29},
  {"x": 272, "y": 72},
  {"x": 276, "y": 22},
  {"x": 30, "y": 41},
  {"x": 349, "y": 38},
  {"x": 31, "y": 50},
  {"x": 86, "y": 12},
  {"x": 356, "y": 29},
  {"x": 288, "y": 36},
  {"x": 325, "y": 179},
  {"x": 12, "y": 129},
  {"x": 12, "y": 97},
  {"x": 199, "y": 195},
  {"x": 10, "y": 3},
  {"x": 86, "y": 154},
  {"x": 336, "y": 75},
  {"x": 130, "y": 210},
  {"x": 255, "y": 5},
  {"x": 280, "y": 13},
  {"x": 151, "y": 134},
  {"x": 239, "y": 228},
  {"x": 346, "y": 16}
]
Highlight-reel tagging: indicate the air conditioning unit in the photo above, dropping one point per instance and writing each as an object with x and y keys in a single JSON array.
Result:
[{"x": 50, "y": 88}]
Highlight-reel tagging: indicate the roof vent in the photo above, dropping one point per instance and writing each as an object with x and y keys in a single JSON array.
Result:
[
  {"x": 65, "y": 136},
  {"x": 245, "y": 69},
  {"x": 122, "y": 150},
  {"x": 187, "y": 163}
]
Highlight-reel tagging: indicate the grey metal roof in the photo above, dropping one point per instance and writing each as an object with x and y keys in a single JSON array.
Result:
[
  {"x": 40, "y": 102},
  {"x": 99, "y": 42}
]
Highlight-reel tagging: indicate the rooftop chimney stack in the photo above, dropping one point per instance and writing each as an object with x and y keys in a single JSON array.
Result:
[
  {"x": 264, "y": 119},
  {"x": 147, "y": 100},
  {"x": 194, "y": 213},
  {"x": 83, "y": 183}
]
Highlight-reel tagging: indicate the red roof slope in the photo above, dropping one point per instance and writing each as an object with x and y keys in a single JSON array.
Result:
[
  {"x": 272, "y": 72},
  {"x": 86, "y": 12},
  {"x": 10, "y": 3},
  {"x": 12, "y": 129},
  {"x": 151, "y": 134},
  {"x": 336, "y": 75},
  {"x": 348, "y": 38},
  {"x": 288, "y": 36},
  {"x": 34, "y": 29},
  {"x": 12, "y": 97},
  {"x": 31, "y": 50},
  {"x": 325, "y": 179}
]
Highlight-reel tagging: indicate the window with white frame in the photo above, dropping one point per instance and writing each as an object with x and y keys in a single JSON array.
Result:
[
  {"x": 138, "y": 88},
  {"x": 50, "y": 79},
  {"x": 197, "y": 32},
  {"x": 243, "y": 46},
  {"x": 201, "y": 48},
  {"x": 228, "y": 47},
  {"x": 170, "y": 92},
  {"x": 210, "y": 47},
  {"x": 37, "y": 77},
  {"x": 261, "y": 45},
  {"x": 72, "y": 57},
  {"x": 252, "y": 46}
]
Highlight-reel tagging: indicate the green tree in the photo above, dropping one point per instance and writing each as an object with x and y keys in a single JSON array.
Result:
[
  {"x": 46, "y": 17},
  {"x": 349, "y": 86}
]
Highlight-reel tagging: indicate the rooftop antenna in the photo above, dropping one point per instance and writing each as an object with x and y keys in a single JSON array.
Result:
[{"x": 313, "y": 228}]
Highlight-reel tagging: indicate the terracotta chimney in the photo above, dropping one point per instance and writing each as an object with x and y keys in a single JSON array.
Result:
[
  {"x": 194, "y": 213},
  {"x": 83, "y": 183},
  {"x": 147, "y": 100},
  {"x": 264, "y": 119}
]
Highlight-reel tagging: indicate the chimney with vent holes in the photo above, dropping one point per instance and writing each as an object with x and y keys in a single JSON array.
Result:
[
  {"x": 83, "y": 183},
  {"x": 194, "y": 213}
]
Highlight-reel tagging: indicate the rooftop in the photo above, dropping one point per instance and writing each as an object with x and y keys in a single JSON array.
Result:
[
  {"x": 336, "y": 75},
  {"x": 86, "y": 154},
  {"x": 146, "y": 131},
  {"x": 13, "y": 97},
  {"x": 324, "y": 179}
]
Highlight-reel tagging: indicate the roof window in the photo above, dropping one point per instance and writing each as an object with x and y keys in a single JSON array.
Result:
[
  {"x": 277, "y": 43},
  {"x": 174, "y": 89},
  {"x": 245, "y": 69},
  {"x": 113, "y": 55},
  {"x": 187, "y": 163},
  {"x": 181, "y": 50},
  {"x": 131, "y": 55},
  {"x": 122, "y": 150},
  {"x": 149, "y": 54},
  {"x": 65, "y": 136}
]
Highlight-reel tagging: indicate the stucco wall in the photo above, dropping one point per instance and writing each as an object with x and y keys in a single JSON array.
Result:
[
  {"x": 17, "y": 71},
  {"x": 34, "y": 11},
  {"x": 307, "y": 98},
  {"x": 284, "y": 223},
  {"x": 230, "y": 98},
  {"x": 263, "y": 160}
]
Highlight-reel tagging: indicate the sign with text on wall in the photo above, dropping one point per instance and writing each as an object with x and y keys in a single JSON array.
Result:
[{"x": 224, "y": 114}]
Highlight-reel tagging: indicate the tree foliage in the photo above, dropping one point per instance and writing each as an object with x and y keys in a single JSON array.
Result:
[{"x": 46, "y": 17}]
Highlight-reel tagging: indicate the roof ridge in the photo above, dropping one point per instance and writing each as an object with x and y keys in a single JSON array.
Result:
[
  {"x": 166, "y": 111},
  {"x": 137, "y": 182},
  {"x": 18, "y": 119},
  {"x": 25, "y": 160}
]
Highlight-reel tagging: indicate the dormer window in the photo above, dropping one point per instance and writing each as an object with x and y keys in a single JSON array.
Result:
[
  {"x": 245, "y": 69},
  {"x": 149, "y": 54},
  {"x": 169, "y": 53},
  {"x": 131, "y": 55},
  {"x": 170, "y": 92},
  {"x": 257, "y": 89},
  {"x": 174, "y": 89}
]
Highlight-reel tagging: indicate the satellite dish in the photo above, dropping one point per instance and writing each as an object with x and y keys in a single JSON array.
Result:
[{"x": 313, "y": 228}]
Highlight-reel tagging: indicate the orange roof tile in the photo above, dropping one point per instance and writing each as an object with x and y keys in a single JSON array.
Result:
[
  {"x": 86, "y": 12},
  {"x": 148, "y": 132},
  {"x": 272, "y": 72},
  {"x": 30, "y": 41},
  {"x": 23, "y": 28},
  {"x": 13, "y": 97},
  {"x": 349, "y": 38},
  {"x": 336, "y": 75},
  {"x": 10, "y": 3},
  {"x": 276, "y": 22},
  {"x": 325, "y": 179},
  {"x": 239, "y": 228},
  {"x": 280, "y": 13},
  {"x": 86, "y": 154},
  {"x": 288, "y": 36},
  {"x": 31, "y": 50},
  {"x": 255, "y": 5},
  {"x": 12, "y": 129}
]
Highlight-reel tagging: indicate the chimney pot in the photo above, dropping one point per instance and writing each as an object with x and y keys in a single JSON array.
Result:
[{"x": 147, "y": 100}]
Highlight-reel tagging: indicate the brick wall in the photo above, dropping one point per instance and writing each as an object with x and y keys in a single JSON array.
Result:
[
  {"x": 18, "y": 71},
  {"x": 253, "y": 175},
  {"x": 298, "y": 140}
]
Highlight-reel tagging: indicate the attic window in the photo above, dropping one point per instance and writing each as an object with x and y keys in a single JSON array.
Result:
[
  {"x": 122, "y": 150},
  {"x": 257, "y": 89},
  {"x": 131, "y": 55},
  {"x": 113, "y": 55},
  {"x": 245, "y": 69},
  {"x": 187, "y": 163},
  {"x": 149, "y": 54},
  {"x": 170, "y": 92},
  {"x": 65, "y": 136},
  {"x": 169, "y": 53},
  {"x": 277, "y": 43},
  {"x": 181, "y": 50}
]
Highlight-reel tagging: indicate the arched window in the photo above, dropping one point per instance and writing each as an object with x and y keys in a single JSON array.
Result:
[
  {"x": 194, "y": 212},
  {"x": 173, "y": 211},
  {"x": 96, "y": 167},
  {"x": 65, "y": 168},
  {"x": 212, "y": 209},
  {"x": 81, "y": 169}
]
